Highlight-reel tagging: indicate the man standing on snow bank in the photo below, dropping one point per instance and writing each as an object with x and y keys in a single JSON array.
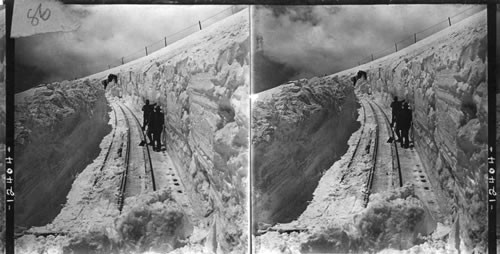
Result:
[{"x": 404, "y": 120}]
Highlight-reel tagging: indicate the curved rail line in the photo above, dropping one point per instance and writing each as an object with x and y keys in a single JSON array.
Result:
[
  {"x": 109, "y": 147},
  {"x": 147, "y": 148},
  {"x": 123, "y": 182},
  {"x": 395, "y": 144},
  {"x": 374, "y": 158},
  {"x": 357, "y": 144}
]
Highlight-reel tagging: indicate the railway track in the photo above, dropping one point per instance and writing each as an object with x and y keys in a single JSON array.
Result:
[
  {"x": 138, "y": 175},
  {"x": 396, "y": 161},
  {"x": 146, "y": 149},
  {"x": 380, "y": 177},
  {"x": 124, "y": 175},
  {"x": 371, "y": 174}
]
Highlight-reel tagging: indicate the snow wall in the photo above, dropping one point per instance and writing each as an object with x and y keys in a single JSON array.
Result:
[
  {"x": 299, "y": 130},
  {"x": 202, "y": 84},
  {"x": 59, "y": 127},
  {"x": 443, "y": 77}
]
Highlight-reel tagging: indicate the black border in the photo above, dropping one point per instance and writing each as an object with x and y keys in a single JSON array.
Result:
[
  {"x": 9, "y": 124},
  {"x": 279, "y": 2},
  {"x": 250, "y": 232},
  {"x": 491, "y": 23}
]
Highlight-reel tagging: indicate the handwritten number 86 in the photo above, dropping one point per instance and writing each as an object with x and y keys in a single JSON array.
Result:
[{"x": 45, "y": 15}]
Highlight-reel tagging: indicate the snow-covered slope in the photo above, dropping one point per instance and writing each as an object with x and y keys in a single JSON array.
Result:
[
  {"x": 202, "y": 84},
  {"x": 298, "y": 130},
  {"x": 58, "y": 130}
]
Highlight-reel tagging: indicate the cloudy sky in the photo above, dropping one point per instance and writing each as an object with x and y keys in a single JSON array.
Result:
[
  {"x": 299, "y": 41},
  {"x": 107, "y": 33},
  {"x": 305, "y": 41}
]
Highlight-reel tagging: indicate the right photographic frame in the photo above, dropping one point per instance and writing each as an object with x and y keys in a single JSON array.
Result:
[{"x": 369, "y": 128}]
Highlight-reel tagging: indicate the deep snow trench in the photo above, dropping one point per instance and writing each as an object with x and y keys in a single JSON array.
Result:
[
  {"x": 296, "y": 137},
  {"x": 59, "y": 142}
]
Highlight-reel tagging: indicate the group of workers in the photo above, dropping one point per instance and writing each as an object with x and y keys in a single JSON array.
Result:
[
  {"x": 153, "y": 119},
  {"x": 401, "y": 121}
]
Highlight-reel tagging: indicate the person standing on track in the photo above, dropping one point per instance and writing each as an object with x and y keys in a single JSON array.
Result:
[
  {"x": 147, "y": 112},
  {"x": 157, "y": 120},
  {"x": 396, "y": 107},
  {"x": 146, "y": 121},
  {"x": 404, "y": 121}
]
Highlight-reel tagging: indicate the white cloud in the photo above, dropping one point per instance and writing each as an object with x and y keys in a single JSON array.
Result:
[{"x": 107, "y": 33}]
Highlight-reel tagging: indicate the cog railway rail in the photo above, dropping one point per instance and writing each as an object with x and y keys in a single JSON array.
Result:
[
  {"x": 380, "y": 176},
  {"x": 395, "y": 147},
  {"x": 132, "y": 177}
]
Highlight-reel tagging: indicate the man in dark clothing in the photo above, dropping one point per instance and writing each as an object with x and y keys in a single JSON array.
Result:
[
  {"x": 104, "y": 83},
  {"x": 112, "y": 77},
  {"x": 157, "y": 120},
  {"x": 148, "y": 111},
  {"x": 361, "y": 74},
  {"x": 354, "y": 79},
  {"x": 404, "y": 121},
  {"x": 396, "y": 107}
]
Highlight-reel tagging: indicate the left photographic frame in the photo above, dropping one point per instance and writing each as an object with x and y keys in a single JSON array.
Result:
[{"x": 131, "y": 128}]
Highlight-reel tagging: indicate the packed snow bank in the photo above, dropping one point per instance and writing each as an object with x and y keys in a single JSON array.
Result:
[
  {"x": 392, "y": 220},
  {"x": 202, "y": 82},
  {"x": 443, "y": 77},
  {"x": 155, "y": 222},
  {"x": 298, "y": 131},
  {"x": 59, "y": 127}
]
